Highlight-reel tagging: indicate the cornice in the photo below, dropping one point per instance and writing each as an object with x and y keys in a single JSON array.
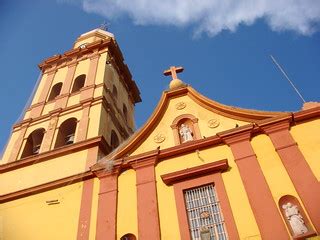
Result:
[
  {"x": 205, "y": 169},
  {"x": 45, "y": 156},
  {"x": 46, "y": 186},
  {"x": 93, "y": 50},
  {"x": 306, "y": 114},
  {"x": 238, "y": 134}
]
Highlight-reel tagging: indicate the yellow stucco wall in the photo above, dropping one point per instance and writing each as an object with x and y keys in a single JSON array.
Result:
[
  {"x": 127, "y": 204},
  {"x": 9, "y": 147},
  {"x": 196, "y": 110},
  {"x": 273, "y": 170},
  {"x": 60, "y": 167},
  {"x": 31, "y": 218},
  {"x": 240, "y": 206},
  {"x": 307, "y": 135},
  {"x": 41, "y": 85}
]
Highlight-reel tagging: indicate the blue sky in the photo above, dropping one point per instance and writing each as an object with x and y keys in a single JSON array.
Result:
[{"x": 225, "y": 55}]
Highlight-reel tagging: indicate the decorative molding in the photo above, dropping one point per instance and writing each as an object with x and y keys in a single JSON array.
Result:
[
  {"x": 45, "y": 156},
  {"x": 46, "y": 187},
  {"x": 97, "y": 48},
  {"x": 180, "y": 105},
  {"x": 209, "y": 168},
  {"x": 213, "y": 123},
  {"x": 306, "y": 114},
  {"x": 235, "y": 135},
  {"x": 159, "y": 138}
]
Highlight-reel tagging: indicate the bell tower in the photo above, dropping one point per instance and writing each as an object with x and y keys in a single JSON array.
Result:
[{"x": 85, "y": 93}]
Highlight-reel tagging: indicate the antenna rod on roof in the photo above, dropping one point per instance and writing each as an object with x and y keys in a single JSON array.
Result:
[{"x": 286, "y": 76}]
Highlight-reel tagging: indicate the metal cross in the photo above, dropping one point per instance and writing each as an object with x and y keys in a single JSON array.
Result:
[{"x": 104, "y": 26}]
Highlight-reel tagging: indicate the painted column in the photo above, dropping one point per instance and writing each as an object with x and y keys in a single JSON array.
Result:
[
  {"x": 107, "y": 205},
  {"x": 18, "y": 144},
  {"x": 148, "y": 215},
  {"x": 84, "y": 122},
  {"x": 298, "y": 169},
  {"x": 264, "y": 208},
  {"x": 49, "y": 135},
  {"x": 88, "y": 90},
  {"x": 86, "y": 199},
  {"x": 62, "y": 99},
  {"x": 38, "y": 107}
]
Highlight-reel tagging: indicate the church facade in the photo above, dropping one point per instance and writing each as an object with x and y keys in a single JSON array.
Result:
[{"x": 75, "y": 168}]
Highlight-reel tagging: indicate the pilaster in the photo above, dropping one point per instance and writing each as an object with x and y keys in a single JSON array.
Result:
[
  {"x": 148, "y": 215},
  {"x": 265, "y": 210},
  {"x": 107, "y": 204},
  {"x": 297, "y": 167}
]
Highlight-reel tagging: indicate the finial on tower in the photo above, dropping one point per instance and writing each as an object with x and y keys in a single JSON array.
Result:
[
  {"x": 104, "y": 26},
  {"x": 175, "y": 82}
]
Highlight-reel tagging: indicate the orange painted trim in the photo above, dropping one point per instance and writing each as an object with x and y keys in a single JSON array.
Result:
[
  {"x": 215, "y": 179},
  {"x": 99, "y": 46},
  {"x": 147, "y": 202},
  {"x": 178, "y": 176},
  {"x": 306, "y": 114},
  {"x": 264, "y": 208},
  {"x": 156, "y": 116},
  {"x": 298, "y": 170},
  {"x": 85, "y": 210},
  {"x": 35, "y": 159},
  {"x": 46, "y": 187},
  {"x": 107, "y": 205}
]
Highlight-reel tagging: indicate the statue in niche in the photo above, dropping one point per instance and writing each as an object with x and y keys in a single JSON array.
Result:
[
  {"x": 185, "y": 133},
  {"x": 295, "y": 219}
]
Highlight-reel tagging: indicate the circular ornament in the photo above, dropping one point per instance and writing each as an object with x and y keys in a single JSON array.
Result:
[
  {"x": 213, "y": 123},
  {"x": 159, "y": 138},
  {"x": 181, "y": 105}
]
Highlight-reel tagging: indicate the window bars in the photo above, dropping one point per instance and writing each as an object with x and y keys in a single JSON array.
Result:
[{"x": 204, "y": 214}]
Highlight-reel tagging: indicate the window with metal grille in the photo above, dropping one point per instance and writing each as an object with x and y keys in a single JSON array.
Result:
[{"x": 204, "y": 214}]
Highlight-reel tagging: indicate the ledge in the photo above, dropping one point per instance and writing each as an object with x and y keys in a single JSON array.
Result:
[
  {"x": 218, "y": 166},
  {"x": 46, "y": 187},
  {"x": 75, "y": 147}
]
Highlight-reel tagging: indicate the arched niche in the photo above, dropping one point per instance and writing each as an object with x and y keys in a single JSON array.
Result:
[
  {"x": 295, "y": 217},
  {"x": 114, "y": 92},
  {"x": 55, "y": 91},
  {"x": 114, "y": 141},
  {"x": 66, "y": 133},
  {"x": 187, "y": 120},
  {"x": 125, "y": 112},
  {"x": 128, "y": 236},
  {"x": 78, "y": 83},
  {"x": 33, "y": 143}
]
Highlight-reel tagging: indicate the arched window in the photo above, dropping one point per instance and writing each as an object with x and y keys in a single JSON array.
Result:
[
  {"x": 114, "y": 92},
  {"x": 33, "y": 143},
  {"x": 128, "y": 236},
  {"x": 66, "y": 133},
  {"x": 125, "y": 112},
  {"x": 185, "y": 128},
  {"x": 295, "y": 218},
  {"x": 78, "y": 83},
  {"x": 55, "y": 91},
  {"x": 114, "y": 140}
]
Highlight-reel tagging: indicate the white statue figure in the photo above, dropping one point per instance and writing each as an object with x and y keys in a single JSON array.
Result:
[
  {"x": 295, "y": 219},
  {"x": 185, "y": 133}
]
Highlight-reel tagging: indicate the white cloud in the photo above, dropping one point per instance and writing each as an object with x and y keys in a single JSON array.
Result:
[{"x": 213, "y": 16}]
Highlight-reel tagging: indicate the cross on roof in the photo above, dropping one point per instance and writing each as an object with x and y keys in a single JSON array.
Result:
[
  {"x": 104, "y": 26},
  {"x": 173, "y": 70}
]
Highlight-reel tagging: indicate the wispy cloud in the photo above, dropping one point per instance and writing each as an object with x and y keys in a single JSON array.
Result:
[{"x": 214, "y": 16}]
